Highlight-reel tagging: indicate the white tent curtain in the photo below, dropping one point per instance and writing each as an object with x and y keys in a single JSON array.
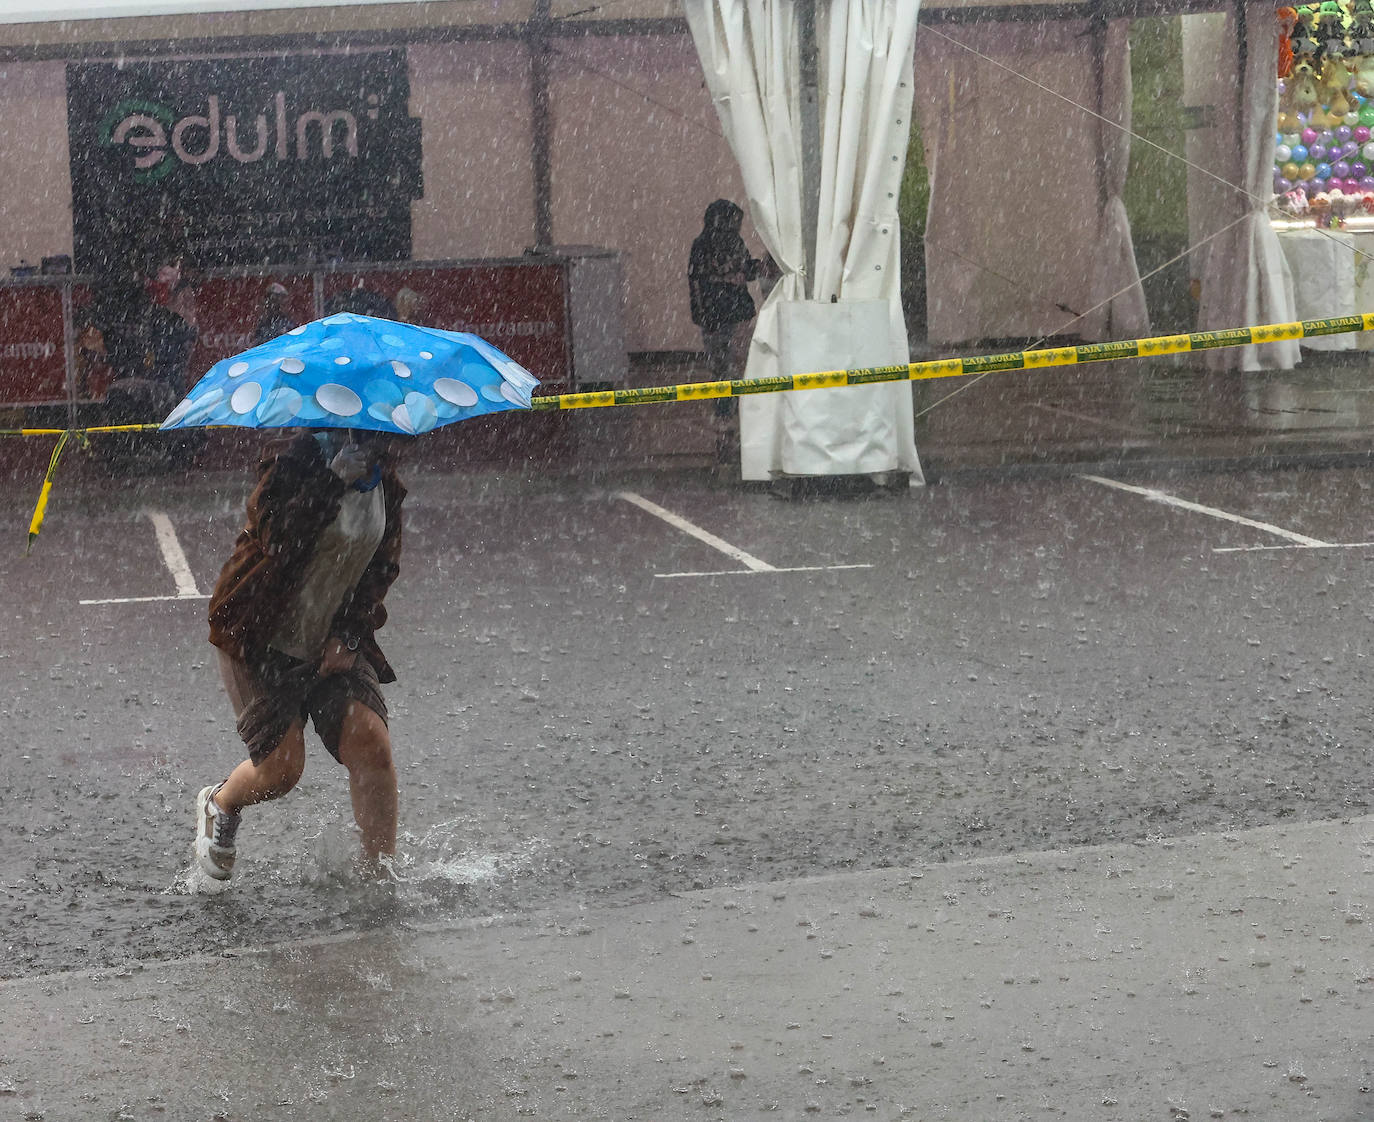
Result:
[
  {"x": 1012, "y": 220},
  {"x": 1245, "y": 279},
  {"x": 750, "y": 56},
  {"x": 1118, "y": 300}
]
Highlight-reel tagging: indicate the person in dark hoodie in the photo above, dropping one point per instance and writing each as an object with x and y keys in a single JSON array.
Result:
[
  {"x": 148, "y": 348},
  {"x": 718, "y": 274},
  {"x": 294, "y": 615}
]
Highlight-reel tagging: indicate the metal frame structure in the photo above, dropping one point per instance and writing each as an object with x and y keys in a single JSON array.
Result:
[{"x": 543, "y": 27}]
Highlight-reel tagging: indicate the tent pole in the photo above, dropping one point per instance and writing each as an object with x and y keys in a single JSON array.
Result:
[
  {"x": 541, "y": 123},
  {"x": 1242, "y": 58},
  {"x": 1099, "y": 39},
  {"x": 810, "y": 138}
]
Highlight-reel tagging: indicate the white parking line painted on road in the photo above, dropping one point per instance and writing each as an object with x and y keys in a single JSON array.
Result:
[
  {"x": 1197, "y": 508},
  {"x": 173, "y": 554},
  {"x": 1280, "y": 548},
  {"x": 746, "y": 559},
  {"x": 145, "y": 599},
  {"x": 175, "y": 559},
  {"x": 753, "y": 572}
]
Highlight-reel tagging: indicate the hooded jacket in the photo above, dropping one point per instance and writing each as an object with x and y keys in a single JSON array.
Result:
[
  {"x": 296, "y": 497},
  {"x": 718, "y": 270}
]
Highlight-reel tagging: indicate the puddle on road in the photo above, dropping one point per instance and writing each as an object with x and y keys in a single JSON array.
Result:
[
  {"x": 1332, "y": 395},
  {"x": 284, "y": 889},
  {"x": 434, "y": 867}
]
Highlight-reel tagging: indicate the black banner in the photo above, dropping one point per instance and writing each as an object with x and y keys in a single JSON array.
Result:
[{"x": 242, "y": 161}]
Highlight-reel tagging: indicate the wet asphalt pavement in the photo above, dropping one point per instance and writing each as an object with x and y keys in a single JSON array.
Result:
[{"x": 977, "y": 668}]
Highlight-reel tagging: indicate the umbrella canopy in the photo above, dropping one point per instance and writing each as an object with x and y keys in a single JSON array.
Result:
[{"x": 359, "y": 372}]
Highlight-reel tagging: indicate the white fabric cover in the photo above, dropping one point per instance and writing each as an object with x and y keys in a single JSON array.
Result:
[
  {"x": 1245, "y": 279},
  {"x": 855, "y": 426},
  {"x": 1018, "y": 242},
  {"x": 749, "y": 53},
  {"x": 1011, "y": 227},
  {"x": 1118, "y": 300},
  {"x": 1325, "y": 280}
]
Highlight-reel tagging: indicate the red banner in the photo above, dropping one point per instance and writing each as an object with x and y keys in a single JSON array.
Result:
[
  {"x": 33, "y": 365},
  {"x": 519, "y": 309},
  {"x": 230, "y": 311}
]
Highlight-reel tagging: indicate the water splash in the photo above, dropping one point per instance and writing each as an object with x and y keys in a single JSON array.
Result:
[
  {"x": 445, "y": 869},
  {"x": 445, "y": 855},
  {"x": 195, "y": 881}
]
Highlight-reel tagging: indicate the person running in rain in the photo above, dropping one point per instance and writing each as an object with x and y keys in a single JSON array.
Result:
[
  {"x": 719, "y": 270},
  {"x": 294, "y": 615}
]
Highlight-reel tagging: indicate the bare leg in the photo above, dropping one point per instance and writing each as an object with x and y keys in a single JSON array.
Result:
[
  {"x": 251, "y": 783},
  {"x": 365, "y": 750}
]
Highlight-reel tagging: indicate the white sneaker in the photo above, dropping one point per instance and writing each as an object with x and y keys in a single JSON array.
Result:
[{"x": 214, "y": 845}]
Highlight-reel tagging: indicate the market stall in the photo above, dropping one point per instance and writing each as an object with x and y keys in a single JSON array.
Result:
[
  {"x": 1331, "y": 277},
  {"x": 1010, "y": 263},
  {"x": 1323, "y": 163}
]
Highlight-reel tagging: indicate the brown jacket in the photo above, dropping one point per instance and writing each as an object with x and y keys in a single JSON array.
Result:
[{"x": 297, "y": 496}]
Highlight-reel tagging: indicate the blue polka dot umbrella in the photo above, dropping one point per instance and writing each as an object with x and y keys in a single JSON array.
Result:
[{"x": 357, "y": 372}]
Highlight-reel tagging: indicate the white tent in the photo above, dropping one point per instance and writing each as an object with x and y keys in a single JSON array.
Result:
[
  {"x": 1026, "y": 185},
  {"x": 1245, "y": 278},
  {"x": 1046, "y": 249},
  {"x": 1117, "y": 299},
  {"x": 1003, "y": 261},
  {"x": 835, "y": 237}
]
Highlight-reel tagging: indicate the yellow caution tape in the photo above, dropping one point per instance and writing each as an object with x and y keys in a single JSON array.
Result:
[
  {"x": 36, "y": 522},
  {"x": 831, "y": 379},
  {"x": 96, "y": 428},
  {"x": 958, "y": 367},
  {"x": 906, "y": 372}
]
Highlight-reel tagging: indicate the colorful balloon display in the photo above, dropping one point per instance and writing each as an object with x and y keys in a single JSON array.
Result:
[{"x": 1324, "y": 126}]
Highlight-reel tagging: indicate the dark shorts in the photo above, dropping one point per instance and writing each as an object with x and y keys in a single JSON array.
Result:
[{"x": 271, "y": 696}]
